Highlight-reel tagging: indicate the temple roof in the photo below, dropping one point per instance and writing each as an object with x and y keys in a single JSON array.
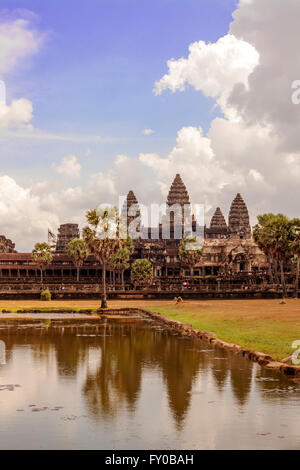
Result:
[
  {"x": 178, "y": 193},
  {"x": 218, "y": 220}
]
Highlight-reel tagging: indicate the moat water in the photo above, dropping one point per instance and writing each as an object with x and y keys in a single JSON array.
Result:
[{"x": 128, "y": 384}]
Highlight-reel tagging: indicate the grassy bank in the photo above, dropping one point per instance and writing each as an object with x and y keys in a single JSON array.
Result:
[{"x": 264, "y": 325}]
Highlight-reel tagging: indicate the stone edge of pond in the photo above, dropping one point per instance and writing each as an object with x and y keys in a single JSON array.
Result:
[{"x": 263, "y": 359}]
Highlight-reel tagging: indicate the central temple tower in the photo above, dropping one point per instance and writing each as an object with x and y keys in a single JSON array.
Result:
[
  {"x": 238, "y": 221},
  {"x": 178, "y": 208}
]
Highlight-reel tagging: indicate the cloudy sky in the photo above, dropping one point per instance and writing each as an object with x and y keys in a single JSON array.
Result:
[{"x": 103, "y": 96}]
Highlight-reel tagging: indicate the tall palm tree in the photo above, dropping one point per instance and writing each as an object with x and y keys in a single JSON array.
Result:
[
  {"x": 42, "y": 256},
  {"x": 102, "y": 237},
  {"x": 77, "y": 250}
]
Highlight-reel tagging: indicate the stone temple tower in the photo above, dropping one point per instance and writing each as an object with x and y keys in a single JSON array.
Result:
[
  {"x": 66, "y": 233},
  {"x": 178, "y": 198},
  {"x": 218, "y": 227},
  {"x": 133, "y": 214},
  {"x": 238, "y": 223},
  {"x": 178, "y": 193},
  {"x": 218, "y": 220}
]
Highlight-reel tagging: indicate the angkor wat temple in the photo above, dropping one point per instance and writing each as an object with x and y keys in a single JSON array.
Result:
[
  {"x": 228, "y": 248},
  {"x": 230, "y": 254}
]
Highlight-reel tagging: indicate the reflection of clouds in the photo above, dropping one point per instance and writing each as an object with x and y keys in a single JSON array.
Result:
[
  {"x": 2, "y": 353},
  {"x": 94, "y": 359}
]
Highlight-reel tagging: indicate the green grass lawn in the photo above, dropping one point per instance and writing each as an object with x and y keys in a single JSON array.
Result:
[{"x": 250, "y": 327}]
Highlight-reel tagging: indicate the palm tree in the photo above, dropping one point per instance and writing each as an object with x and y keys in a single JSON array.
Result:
[
  {"x": 42, "y": 256},
  {"x": 129, "y": 245},
  {"x": 77, "y": 250},
  {"x": 102, "y": 237},
  {"x": 190, "y": 252}
]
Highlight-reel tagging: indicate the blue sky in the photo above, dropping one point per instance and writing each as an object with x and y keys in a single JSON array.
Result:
[
  {"x": 95, "y": 73},
  {"x": 85, "y": 78}
]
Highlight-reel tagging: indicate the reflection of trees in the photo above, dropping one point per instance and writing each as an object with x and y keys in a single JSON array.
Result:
[
  {"x": 32, "y": 335},
  {"x": 124, "y": 349},
  {"x": 224, "y": 364},
  {"x": 220, "y": 370},
  {"x": 180, "y": 364},
  {"x": 46, "y": 340},
  {"x": 118, "y": 377},
  {"x": 241, "y": 377}
]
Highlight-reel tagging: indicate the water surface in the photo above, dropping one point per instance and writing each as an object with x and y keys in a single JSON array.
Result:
[{"x": 129, "y": 384}]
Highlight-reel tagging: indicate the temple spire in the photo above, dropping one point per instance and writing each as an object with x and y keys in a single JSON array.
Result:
[
  {"x": 218, "y": 220},
  {"x": 238, "y": 222},
  {"x": 131, "y": 209},
  {"x": 178, "y": 193}
]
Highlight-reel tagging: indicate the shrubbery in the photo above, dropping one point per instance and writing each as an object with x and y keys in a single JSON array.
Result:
[
  {"x": 142, "y": 271},
  {"x": 46, "y": 295}
]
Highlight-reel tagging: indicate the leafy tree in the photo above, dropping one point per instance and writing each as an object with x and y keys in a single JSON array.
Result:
[
  {"x": 102, "y": 237},
  {"x": 191, "y": 252},
  {"x": 142, "y": 271},
  {"x": 77, "y": 250},
  {"x": 262, "y": 237},
  {"x": 282, "y": 234},
  {"x": 120, "y": 262},
  {"x": 274, "y": 234},
  {"x": 295, "y": 249},
  {"x": 42, "y": 256}
]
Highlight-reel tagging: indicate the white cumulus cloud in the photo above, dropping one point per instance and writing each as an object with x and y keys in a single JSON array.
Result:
[
  {"x": 18, "y": 113},
  {"x": 22, "y": 217},
  {"x": 69, "y": 166},
  {"x": 213, "y": 68},
  {"x": 249, "y": 72},
  {"x": 18, "y": 40}
]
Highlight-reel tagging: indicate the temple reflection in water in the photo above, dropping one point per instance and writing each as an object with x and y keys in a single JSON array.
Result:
[{"x": 115, "y": 360}]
